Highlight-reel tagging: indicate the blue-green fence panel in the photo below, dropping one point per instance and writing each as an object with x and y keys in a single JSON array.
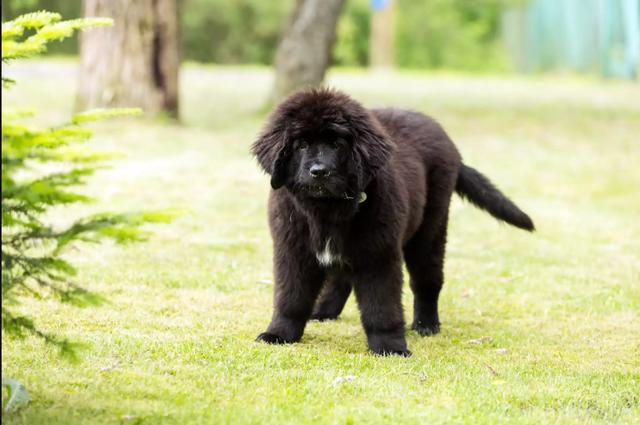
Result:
[{"x": 600, "y": 36}]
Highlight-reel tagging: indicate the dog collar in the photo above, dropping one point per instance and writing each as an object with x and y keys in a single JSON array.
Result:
[{"x": 362, "y": 196}]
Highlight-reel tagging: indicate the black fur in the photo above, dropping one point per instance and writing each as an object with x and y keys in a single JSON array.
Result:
[
  {"x": 482, "y": 193},
  {"x": 326, "y": 153}
]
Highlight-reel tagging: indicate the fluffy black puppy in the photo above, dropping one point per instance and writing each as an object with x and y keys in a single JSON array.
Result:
[{"x": 354, "y": 192}]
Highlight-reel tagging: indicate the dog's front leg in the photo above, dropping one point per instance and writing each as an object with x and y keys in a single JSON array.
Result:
[
  {"x": 298, "y": 280},
  {"x": 378, "y": 288}
]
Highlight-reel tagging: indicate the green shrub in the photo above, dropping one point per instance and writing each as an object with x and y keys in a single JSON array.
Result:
[
  {"x": 238, "y": 31},
  {"x": 352, "y": 38},
  {"x": 41, "y": 170},
  {"x": 451, "y": 34}
]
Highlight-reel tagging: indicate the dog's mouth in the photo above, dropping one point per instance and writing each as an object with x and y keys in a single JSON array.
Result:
[
  {"x": 320, "y": 192},
  {"x": 331, "y": 188}
]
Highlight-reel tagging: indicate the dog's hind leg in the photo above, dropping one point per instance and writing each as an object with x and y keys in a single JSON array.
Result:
[
  {"x": 332, "y": 299},
  {"x": 424, "y": 255}
]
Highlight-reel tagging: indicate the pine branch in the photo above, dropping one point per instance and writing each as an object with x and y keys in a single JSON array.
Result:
[
  {"x": 22, "y": 326},
  {"x": 42, "y": 169}
]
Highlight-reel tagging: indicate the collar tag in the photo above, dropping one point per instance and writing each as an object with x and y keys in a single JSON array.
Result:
[{"x": 362, "y": 197}]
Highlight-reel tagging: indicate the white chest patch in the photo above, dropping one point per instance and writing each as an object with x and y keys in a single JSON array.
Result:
[{"x": 327, "y": 257}]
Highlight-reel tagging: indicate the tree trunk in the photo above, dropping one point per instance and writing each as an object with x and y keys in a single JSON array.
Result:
[
  {"x": 7, "y": 11},
  {"x": 135, "y": 62},
  {"x": 382, "y": 31},
  {"x": 305, "y": 50}
]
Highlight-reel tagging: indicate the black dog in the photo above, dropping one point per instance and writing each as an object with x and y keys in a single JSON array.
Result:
[{"x": 354, "y": 192}]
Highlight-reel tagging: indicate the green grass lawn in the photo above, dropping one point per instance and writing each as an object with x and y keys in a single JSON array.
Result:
[{"x": 557, "y": 311}]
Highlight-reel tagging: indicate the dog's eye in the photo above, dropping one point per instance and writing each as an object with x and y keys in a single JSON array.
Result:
[{"x": 302, "y": 144}]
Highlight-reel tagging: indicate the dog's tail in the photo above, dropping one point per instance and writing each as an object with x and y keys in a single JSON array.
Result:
[{"x": 479, "y": 190}]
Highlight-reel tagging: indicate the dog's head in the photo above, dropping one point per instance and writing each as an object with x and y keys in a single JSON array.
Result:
[{"x": 322, "y": 144}]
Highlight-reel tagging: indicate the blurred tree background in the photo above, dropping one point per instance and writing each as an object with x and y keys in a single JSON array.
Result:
[
  {"x": 457, "y": 34},
  {"x": 601, "y": 36}
]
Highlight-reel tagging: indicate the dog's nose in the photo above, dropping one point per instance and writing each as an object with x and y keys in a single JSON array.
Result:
[{"x": 319, "y": 171}]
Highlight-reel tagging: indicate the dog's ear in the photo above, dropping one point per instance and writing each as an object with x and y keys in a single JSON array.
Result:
[
  {"x": 280, "y": 165},
  {"x": 372, "y": 146},
  {"x": 273, "y": 152}
]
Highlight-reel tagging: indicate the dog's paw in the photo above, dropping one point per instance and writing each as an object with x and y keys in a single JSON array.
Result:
[
  {"x": 426, "y": 329},
  {"x": 270, "y": 338},
  {"x": 323, "y": 317},
  {"x": 391, "y": 352},
  {"x": 388, "y": 343}
]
